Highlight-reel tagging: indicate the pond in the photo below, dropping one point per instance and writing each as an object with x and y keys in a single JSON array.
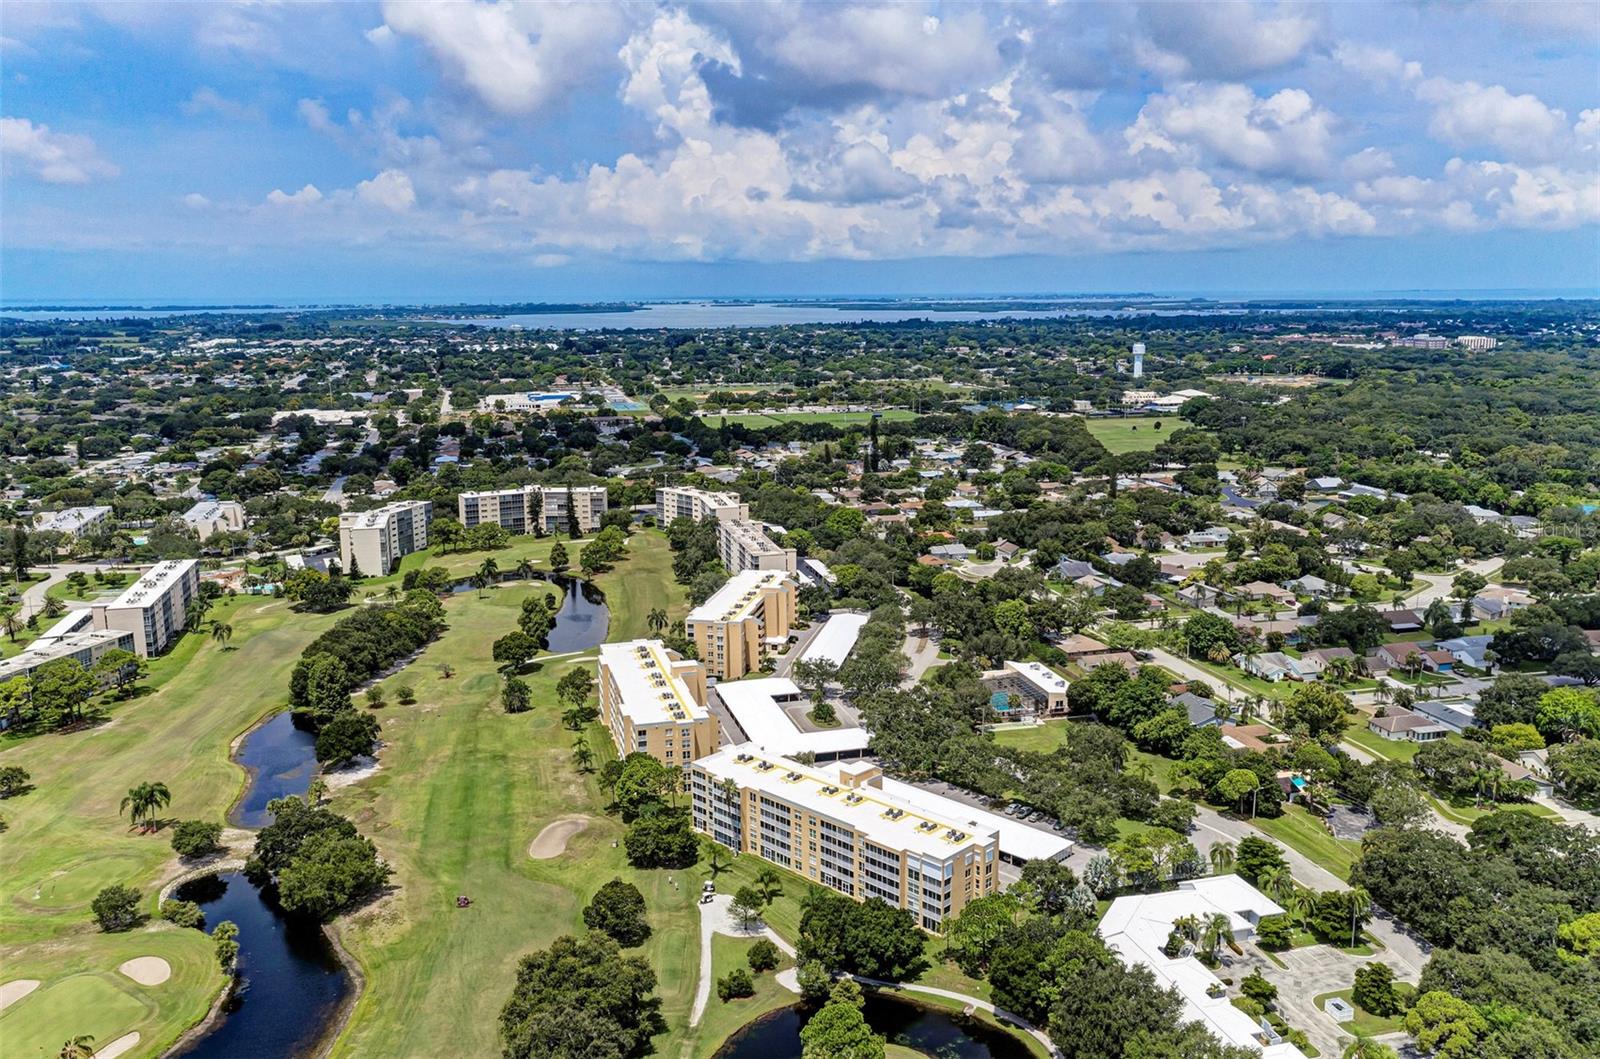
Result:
[
  {"x": 933, "y": 1031},
  {"x": 282, "y": 761},
  {"x": 581, "y": 622},
  {"x": 291, "y": 982}
]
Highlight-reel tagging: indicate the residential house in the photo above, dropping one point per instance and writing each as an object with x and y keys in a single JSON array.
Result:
[
  {"x": 1437, "y": 661},
  {"x": 1311, "y": 585},
  {"x": 1211, "y": 537},
  {"x": 950, "y": 552},
  {"x": 1121, "y": 658},
  {"x": 1202, "y": 711},
  {"x": 1271, "y": 666},
  {"x": 1246, "y": 736},
  {"x": 1402, "y": 724},
  {"x": 1401, "y": 620},
  {"x": 1456, "y": 716},
  {"x": 1072, "y": 569},
  {"x": 1078, "y": 645},
  {"x": 1468, "y": 650}
]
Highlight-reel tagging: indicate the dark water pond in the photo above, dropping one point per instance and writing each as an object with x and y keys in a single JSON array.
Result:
[
  {"x": 933, "y": 1031},
  {"x": 581, "y": 622},
  {"x": 282, "y": 761},
  {"x": 291, "y": 982}
]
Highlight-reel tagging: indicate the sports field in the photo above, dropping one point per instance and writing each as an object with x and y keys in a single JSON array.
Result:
[{"x": 1133, "y": 433}]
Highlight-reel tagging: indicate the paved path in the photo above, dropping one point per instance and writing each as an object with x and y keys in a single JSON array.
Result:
[
  {"x": 33, "y": 596},
  {"x": 1570, "y": 813},
  {"x": 922, "y": 654},
  {"x": 716, "y": 919}
]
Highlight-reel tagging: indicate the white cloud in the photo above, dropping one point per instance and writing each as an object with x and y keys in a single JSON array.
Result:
[
  {"x": 196, "y": 201},
  {"x": 516, "y": 57},
  {"x": 390, "y": 189},
  {"x": 896, "y": 48},
  {"x": 207, "y": 100},
  {"x": 1185, "y": 41},
  {"x": 1377, "y": 65},
  {"x": 1285, "y": 133},
  {"x": 306, "y": 196},
  {"x": 1467, "y": 114},
  {"x": 53, "y": 157}
]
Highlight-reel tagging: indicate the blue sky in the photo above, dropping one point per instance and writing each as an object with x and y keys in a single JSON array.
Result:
[{"x": 495, "y": 151}]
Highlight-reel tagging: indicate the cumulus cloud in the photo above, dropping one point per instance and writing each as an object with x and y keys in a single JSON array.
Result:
[
  {"x": 516, "y": 57},
  {"x": 306, "y": 196},
  {"x": 207, "y": 100},
  {"x": 53, "y": 157},
  {"x": 1467, "y": 114},
  {"x": 390, "y": 189},
  {"x": 1285, "y": 133},
  {"x": 1228, "y": 41}
]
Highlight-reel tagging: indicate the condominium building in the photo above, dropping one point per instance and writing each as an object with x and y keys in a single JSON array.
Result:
[
  {"x": 733, "y": 629},
  {"x": 674, "y": 502},
  {"x": 83, "y": 647},
  {"x": 1030, "y": 688},
  {"x": 838, "y": 827},
  {"x": 743, "y": 546},
  {"x": 1476, "y": 343},
  {"x": 653, "y": 701},
  {"x": 209, "y": 517},
  {"x": 373, "y": 541},
  {"x": 535, "y": 508},
  {"x": 155, "y": 607},
  {"x": 73, "y": 521}
]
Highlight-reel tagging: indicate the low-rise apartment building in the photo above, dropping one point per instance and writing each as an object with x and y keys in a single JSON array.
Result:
[
  {"x": 83, "y": 647},
  {"x": 73, "y": 521},
  {"x": 155, "y": 607},
  {"x": 733, "y": 630},
  {"x": 1037, "y": 690},
  {"x": 536, "y": 508},
  {"x": 681, "y": 501},
  {"x": 373, "y": 541},
  {"x": 653, "y": 701},
  {"x": 743, "y": 546},
  {"x": 210, "y": 517},
  {"x": 839, "y": 828}
]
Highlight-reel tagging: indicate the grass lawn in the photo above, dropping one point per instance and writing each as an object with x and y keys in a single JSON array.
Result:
[
  {"x": 722, "y": 1018},
  {"x": 1392, "y": 749},
  {"x": 1300, "y": 831},
  {"x": 757, "y": 420},
  {"x": 1365, "y": 1022},
  {"x": 1160, "y": 767},
  {"x": 66, "y": 839},
  {"x": 1464, "y": 812},
  {"x": 464, "y": 564},
  {"x": 1041, "y": 738},
  {"x": 1132, "y": 433}
]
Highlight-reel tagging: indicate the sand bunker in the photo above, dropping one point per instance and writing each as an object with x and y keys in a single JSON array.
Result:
[
  {"x": 126, "y": 1043},
  {"x": 552, "y": 841},
  {"x": 147, "y": 970},
  {"x": 12, "y": 992}
]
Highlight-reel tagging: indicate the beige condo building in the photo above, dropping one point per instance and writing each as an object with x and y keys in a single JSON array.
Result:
[
  {"x": 743, "y": 546},
  {"x": 154, "y": 608},
  {"x": 531, "y": 508},
  {"x": 733, "y": 630},
  {"x": 839, "y": 828},
  {"x": 375, "y": 540},
  {"x": 653, "y": 701},
  {"x": 681, "y": 501}
]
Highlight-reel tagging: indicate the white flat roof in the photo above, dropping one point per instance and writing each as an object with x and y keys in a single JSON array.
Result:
[
  {"x": 1016, "y": 839},
  {"x": 156, "y": 580},
  {"x": 735, "y": 600},
  {"x": 758, "y": 707},
  {"x": 651, "y": 692},
  {"x": 379, "y": 515},
  {"x": 836, "y": 639},
  {"x": 41, "y": 651},
  {"x": 891, "y": 821},
  {"x": 1136, "y": 928},
  {"x": 1041, "y": 676}
]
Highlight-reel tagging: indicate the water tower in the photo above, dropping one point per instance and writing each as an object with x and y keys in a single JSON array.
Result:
[{"x": 1138, "y": 360}]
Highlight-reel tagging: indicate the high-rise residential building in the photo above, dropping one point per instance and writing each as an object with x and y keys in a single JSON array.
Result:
[
  {"x": 681, "y": 501},
  {"x": 839, "y": 828},
  {"x": 155, "y": 607},
  {"x": 1476, "y": 343},
  {"x": 373, "y": 541},
  {"x": 743, "y": 546},
  {"x": 653, "y": 701},
  {"x": 733, "y": 630},
  {"x": 531, "y": 508},
  {"x": 209, "y": 517}
]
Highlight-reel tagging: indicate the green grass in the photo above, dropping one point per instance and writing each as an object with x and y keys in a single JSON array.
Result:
[
  {"x": 66, "y": 839},
  {"x": 757, "y": 420},
  {"x": 1302, "y": 832},
  {"x": 1392, "y": 749},
  {"x": 464, "y": 564},
  {"x": 1040, "y": 738},
  {"x": 1365, "y": 1023},
  {"x": 722, "y": 1018},
  {"x": 1462, "y": 811},
  {"x": 1132, "y": 433}
]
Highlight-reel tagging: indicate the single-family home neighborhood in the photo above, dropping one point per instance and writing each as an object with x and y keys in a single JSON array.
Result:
[
  {"x": 1402, "y": 724},
  {"x": 1271, "y": 666},
  {"x": 1468, "y": 650}
]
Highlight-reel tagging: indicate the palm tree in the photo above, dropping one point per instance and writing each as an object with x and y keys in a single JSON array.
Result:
[
  {"x": 1364, "y": 1047},
  {"x": 714, "y": 858},
  {"x": 141, "y": 803},
  {"x": 13, "y": 624},
  {"x": 489, "y": 569},
  {"x": 524, "y": 570},
  {"x": 582, "y": 756},
  {"x": 221, "y": 632},
  {"x": 1277, "y": 883},
  {"x": 1360, "y": 904},
  {"x": 657, "y": 620},
  {"x": 1302, "y": 903},
  {"x": 769, "y": 883},
  {"x": 1213, "y": 932},
  {"x": 79, "y": 1047},
  {"x": 1187, "y": 927},
  {"x": 1222, "y": 857}
]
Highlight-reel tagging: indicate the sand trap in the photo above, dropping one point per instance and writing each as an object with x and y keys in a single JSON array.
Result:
[
  {"x": 126, "y": 1043},
  {"x": 12, "y": 992},
  {"x": 355, "y": 772},
  {"x": 552, "y": 841},
  {"x": 147, "y": 970}
]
